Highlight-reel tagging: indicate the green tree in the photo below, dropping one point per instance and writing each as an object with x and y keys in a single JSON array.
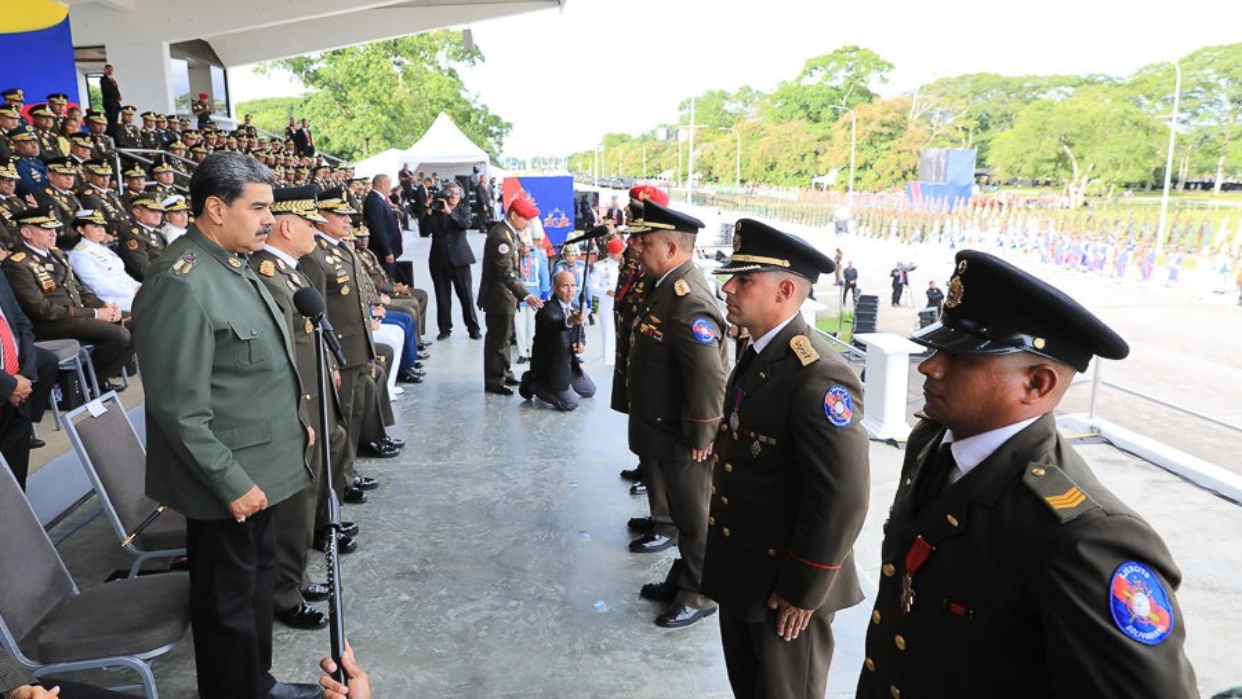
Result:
[
  {"x": 384, "y": 94},
  {"x": 272, "y": 114},
  {"x": 887, "y": 150},
  {"x": 841, "y": 78},
  {"x": 718, "y": 109}
]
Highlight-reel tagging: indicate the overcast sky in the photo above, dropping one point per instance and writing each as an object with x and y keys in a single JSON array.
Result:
[{"x": 599, "y": 66}]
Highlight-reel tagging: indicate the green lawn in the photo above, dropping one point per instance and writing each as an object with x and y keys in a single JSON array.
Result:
[{"x": 829, "y": 323}]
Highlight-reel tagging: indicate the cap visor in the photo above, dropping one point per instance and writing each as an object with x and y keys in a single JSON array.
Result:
[{"x": 939, "y": 336}]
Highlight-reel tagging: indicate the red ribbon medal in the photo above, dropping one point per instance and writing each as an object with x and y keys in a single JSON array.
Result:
[{"x": 918, "y": 554}]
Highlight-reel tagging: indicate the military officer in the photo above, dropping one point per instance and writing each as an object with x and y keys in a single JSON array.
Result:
[
  {"x": 676, "y": 388},
  {"x": 44, "y": 125},
  {"x": 500, "y": 289},
  {"x": 9, "y": 119},
  {"x": 392, "y": 295},
  {"x": 148, "y": 138},
  {"x": 96, "y": 265},
  {"x": 164, "y": 175},
  {"x": 15, "y": 99},
  {"x": 104, "y": 145},
  {"x": 141, "y": 243},
  {"x": 57, "y": 305},
  {"x": 1007, "y": 567},
  {"x": 30, "y": 168},
  {"x": 791, "y": 481},
  {"x": 81, "y": 149},
  {"x": 98, "y": 194},
  {"x": 126, "y": 134},
  {"x": 135, "y": 185},
  {"x": 58, "y": 196},
  {"x": 225, "y": 437},
  {"x": 10, "y": 204},
  {"x": 331, "y": 269},
  {"x": 58, "y": 103}
]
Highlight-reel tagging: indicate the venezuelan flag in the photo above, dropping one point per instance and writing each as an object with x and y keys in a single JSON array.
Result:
[{"x": 38, "y": 49}]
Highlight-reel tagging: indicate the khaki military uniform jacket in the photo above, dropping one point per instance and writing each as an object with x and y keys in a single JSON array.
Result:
[
  {"x": 109, "y": 202},
  {"x": 139, "y": 246},
  {"x": 500, "y": 283},
  {"x": 1014, "y": 599},
  {"x": 222, "y": 389},
  {"x": 127, "y": 136},
  {"x": 791, "y": 481},
  {"x": 282, "y": 282},
  {"x": 46, "y": 286},
  {"x": 64, "y": 205},
  {"x": 676, "y": 370},
  {"x": 333, "y": 271},
  {"x": 10, "y": 206},
  {"x": 49, "y": 146}
]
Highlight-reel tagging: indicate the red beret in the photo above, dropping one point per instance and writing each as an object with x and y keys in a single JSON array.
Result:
[
  {"x": 202, "y": 95},
  {"x": 645, "y": 191},
  {"x": 615, "y": 246},
  {"x": 524, "y": 208}
]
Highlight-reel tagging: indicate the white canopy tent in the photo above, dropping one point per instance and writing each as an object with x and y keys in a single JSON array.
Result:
[
  {"x": 387, "y": 162},
  {"x": 444, "y": 150}
]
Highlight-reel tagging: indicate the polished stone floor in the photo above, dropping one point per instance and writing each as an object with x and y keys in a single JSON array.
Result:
[{"x": 492, "y": 561}]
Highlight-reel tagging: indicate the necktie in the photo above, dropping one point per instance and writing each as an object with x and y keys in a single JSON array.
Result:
[
  {"x": 743, "y": 364},
  {"x": 9, "y": 347},
  {"x": 933, "y": 478}
]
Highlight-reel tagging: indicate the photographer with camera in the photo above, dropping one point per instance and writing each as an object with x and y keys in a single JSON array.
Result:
[{"x": 450, "y": 260}]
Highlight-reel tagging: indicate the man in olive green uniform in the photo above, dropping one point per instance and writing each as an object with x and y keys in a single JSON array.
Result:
[
  {"x": 58, "y": 196},
  {"x": 331, "y": 269},
  {"x": 10, "y": 203},
  {"x": 1008, "y": 569},
  {"x": 125, "y": 134},
  {"x": 790, "y": 486},
  {"x": 500, "y": 289},
  {"x": 225, "y": 440},
  {"x": 141, "y": 243},
  {"x": 395, "y": 296},
  {"x": 676, "y": 387},
  {"x": 44, "y": 122},
  {"x": 56, "y": 303},
  {"x": 98, "y": 194}
]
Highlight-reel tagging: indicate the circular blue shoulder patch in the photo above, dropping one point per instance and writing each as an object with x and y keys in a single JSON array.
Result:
[
  {"x": 1140, "y": 604},
  {"x": 839, "y": 406},
  {"x": 704, "y": 330}
]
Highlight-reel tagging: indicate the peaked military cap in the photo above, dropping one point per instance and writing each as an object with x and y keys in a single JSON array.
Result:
[
  {"x": 43, "y": 110},
  {"x": 89, "y": 217},
  {"x": 8, "y": 171},
  {"x": 361, "y": 231},
  {"x": 99, "y": 167},
  {"x": 661, "y": 218},
  {"x": 129, "y": 109},
  {"x": 97, "y": 119},
  {"x": 147, "y": 201},
  {"x": 25, "y": 132},
  {"x": 135, "y": 172},
  {"x": 58, "y": 98},
  {"x": 758, "y": 247},
  {"x": 162, "y": 166},
  {"x": 62, "y": 166},
  {"x": 298, "y": 201},
  {"x": 175, "y": 203},
  {"x": 82, "y": 140},
  {"x": 334, "y": 200},
  {"x": 10, "y": 112},
  {"x": 995, "y": 308},
  {"x": 39, "y": 217},
  {"x": 14, "y": 94}
]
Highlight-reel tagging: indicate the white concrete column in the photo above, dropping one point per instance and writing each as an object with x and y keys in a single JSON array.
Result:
[
  {"x": 143, "y": 71},
  {"x": 888, "y": 379},
  {"x": 200, "y": 82}
]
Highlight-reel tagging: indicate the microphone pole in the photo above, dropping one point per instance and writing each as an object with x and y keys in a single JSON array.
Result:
[{"x": 336, "y": 616}]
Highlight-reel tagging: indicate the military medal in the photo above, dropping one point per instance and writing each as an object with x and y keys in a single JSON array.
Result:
[
  {"x": 235, "y": 263},
  {"x": 918, "y": 554},
  {"x": 734, "y": 421},
  {"x": 345, "y": 290},
  {"x": 755, "y": 449}
]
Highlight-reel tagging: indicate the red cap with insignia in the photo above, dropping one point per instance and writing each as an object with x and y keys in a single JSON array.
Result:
[
  {"x": 645, "y": 191},
  {"x": 524, "y": 208}
]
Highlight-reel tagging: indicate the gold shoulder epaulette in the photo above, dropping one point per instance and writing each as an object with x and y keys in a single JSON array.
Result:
[
  {"x": 681, "y": 287},
  {"x": 267, "y": 268},
  {"x": 1058, "y": 491},
  {"x": 18, "y": 257},
  {"x": 801, "y": 345},
  {"x": 184, "y": 265}
]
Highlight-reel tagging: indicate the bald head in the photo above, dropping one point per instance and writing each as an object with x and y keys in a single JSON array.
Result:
[{"x": 564, "y": 285}]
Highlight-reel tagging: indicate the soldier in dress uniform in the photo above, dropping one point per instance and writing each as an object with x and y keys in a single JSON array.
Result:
[
  {"x": 57, "y": 305},
  {"x": 393, "y": 296},
  {"x": 15, "y": 99},
  {"x": 81, "y": 149},
  {"x": 10, "y": 205},
  {"x": 164, "y": 175},
  {"x": 31, "y": 170},
  {"x": 676, "y": 387},
  {"x": 500, "y": 289},
  {"x": 45, "y": 124},
  {"x": 104, "y": 145},
  {"x": 148, "y": 137},
  {"x": 135, "y": 185},
  {"x": 9, "y": 119},
  {"x": 58, "y": 197},
  {"x": 141, "y": 243},
  {"x": 181, "y": 172},
  {"x": 58, "y": 102},
  {"x": 790, "y": 486},
  {"x": 1008, "y": 569},
  {"x": 126, "y": 134},
  {"x": 98, "y": 194}
]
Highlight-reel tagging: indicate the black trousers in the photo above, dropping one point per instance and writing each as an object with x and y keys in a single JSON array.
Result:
[
  {"x": 762, "y": 664},
  {"x": 113, "y": 344},
  {"x": 232, "y": 571},
  {"x": 15, "y": 420},
  {"x": 687, "y": 486},
  {"x": 496, "y": 348},
  {"x": 445, "y": 281}
]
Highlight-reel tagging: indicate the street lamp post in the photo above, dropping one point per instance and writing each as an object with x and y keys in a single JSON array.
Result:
[
  {"x": 1168, "y": 163},
  {"x": 853, "y": 139}
]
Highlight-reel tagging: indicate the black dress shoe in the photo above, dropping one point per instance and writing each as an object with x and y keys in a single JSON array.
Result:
[
  {"x": 344, "y": 544},
  {"x": 365, "y": 483},
  {"x": 424, "y": 345},
  {"x": 641, "y": 525},
  {"x": 510, "y": 381},
  {"x": 109, "y": 386},
  {"x": 353, "y": 496},
  {"x": 422, "y": 355},
  {"x": 318, "y": 592},
  {"x": 289, "y": 690},
  {"x": 409, "y": 376},
  {"x": 680, "y": 615},
  {"x": 500, "y": 390},
  {"x": 476, "y": 335},
  {"x": 444, "y": 335},
  {"x": 418, "y": 365},
  {"x": 664, "y": 591},
  {"x": 379, "y": 450},
  {"x": 632, "y": 474},
  {"x": 650, "y": 543},
  {"x": 638, "y": 488},
  {"x": 302, "y": 616},
  {"x": 36, "y": 443},
  {"x": 394, "y": 442},
  {"x": 349, "y": 528}
]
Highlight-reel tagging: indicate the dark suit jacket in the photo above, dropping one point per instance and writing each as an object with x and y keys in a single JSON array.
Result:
[
  {"x": 552, "y": 354},
  {"x": 111, "y": 92},
  {"x": 449, "y": 247},
  {"x": 23, "y": 337},
  {"x": 382, "y": 222},
  {"x": 1015, "y": 599}
]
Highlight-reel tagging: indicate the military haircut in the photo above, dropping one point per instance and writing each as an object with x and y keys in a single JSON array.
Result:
[{"x": 225, "y": 176}]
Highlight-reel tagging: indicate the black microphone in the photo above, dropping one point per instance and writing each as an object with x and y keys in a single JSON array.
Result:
[
  {"x": 310, "y": 304},
  {"x": 589, "y": 234}
]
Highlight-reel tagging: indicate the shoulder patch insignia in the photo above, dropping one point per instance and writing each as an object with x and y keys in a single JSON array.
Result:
[
  {"x": 1058, "y": 491},
  {"x": 839, "y": 406},
  {"x": 267, "y": 268},
  {"x": 704, "y": 330},
  {"x": 801, "y": 345},
  {"x": 681, "y": 287},
  {"x": 132, "y": 244},
  {"x": 503, "y": 248},
  {"x": 18, "y": 257},
  {"x": 1140, "y": 604}
]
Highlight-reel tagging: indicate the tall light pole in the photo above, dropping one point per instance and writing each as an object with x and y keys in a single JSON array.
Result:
[
  {"x": 690, "y": 158},
  {"x": 853, "y": 139},
  {"x": 1168, "y": 163},
  {"x": 737, "y": 171}
]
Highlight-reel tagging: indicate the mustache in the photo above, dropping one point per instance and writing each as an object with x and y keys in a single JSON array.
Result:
[{"x": 265, "y": 230}]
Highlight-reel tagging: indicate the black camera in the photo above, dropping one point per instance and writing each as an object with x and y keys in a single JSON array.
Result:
[{"x": 439, "y": 205}]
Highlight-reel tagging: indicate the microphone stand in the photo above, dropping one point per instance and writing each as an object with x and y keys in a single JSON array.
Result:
[{"x": 336, "y": 617}]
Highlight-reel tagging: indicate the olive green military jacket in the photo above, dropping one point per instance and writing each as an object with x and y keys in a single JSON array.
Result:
[
  {"x": 46, "y": 286},
  {"x": 500, "y": 284},
  {"x": 333, "y": 272},
  {"x": 138, "y": 247},
  {"x": 222, "y": 389},
  {"x": 1038, "y": 582},
  {"x": 676, "y": 370},
  {"x": 791, "y": 482}
]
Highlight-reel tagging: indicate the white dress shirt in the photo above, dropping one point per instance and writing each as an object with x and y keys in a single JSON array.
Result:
[{"x": 972, "y": 451}]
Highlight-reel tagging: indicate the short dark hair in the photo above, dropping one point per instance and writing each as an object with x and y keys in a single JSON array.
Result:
[{"x": 225, "y": 176}]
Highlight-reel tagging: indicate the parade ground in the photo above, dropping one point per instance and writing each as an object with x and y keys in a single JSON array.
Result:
[{"x": 493, "y": 564}]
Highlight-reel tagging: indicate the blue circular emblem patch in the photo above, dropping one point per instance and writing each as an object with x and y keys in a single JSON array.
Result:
[
  {"x": 704, "y": 330},
  {"x": 1140, "y": 604},
  {"x": 839, "y": 406}
]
